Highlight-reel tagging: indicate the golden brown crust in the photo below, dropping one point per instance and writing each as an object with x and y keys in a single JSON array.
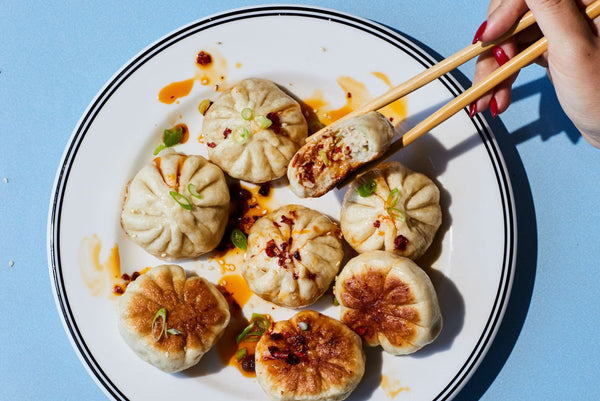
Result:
[
  {"x": 387, "y": 299},
  {"x": 193, "y": 307},
  {"x": 309, "y": 357}
]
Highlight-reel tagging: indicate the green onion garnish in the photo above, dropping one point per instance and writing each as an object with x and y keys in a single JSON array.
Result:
[
  {"x": 261, "y": 321},
  {"x": 323, "y": 156},
  {"x": 204, "y": 105},
  {"x": 238, "y": 238},
  {"x": 182, "y": 200},
  {"x": 244, "y": 333},
  {"x": 390, "y": 205},
  {"x": 161, "y": 313},
  {"x": 172, "y": 137},
  {"x": 392, "y": 198},
  {"x": 263, "y": 122},
  {"x": 241, "y": 134},
  {"x": 174, "y": 332},
  {"x": 257, "y": 327},
  {"x": 247, "y": 114},
  {"x": 241, "y": 354},
  {"x": 159, "y": 148},
  {"x": 396, "y": 214},
  {"x": 192, "y": 190},
  {"x": 336, "y": 302},
  {"x": 367, "y": 188},
  {"x": 303, "y": 326}
]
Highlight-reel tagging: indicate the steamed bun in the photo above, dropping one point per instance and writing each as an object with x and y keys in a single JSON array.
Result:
[
  {"x": 237, "y": 143},
  {"x": 293, "y": 256},
  {"x": 401, "y": 215},
  {"x": 177, "y": 206}
]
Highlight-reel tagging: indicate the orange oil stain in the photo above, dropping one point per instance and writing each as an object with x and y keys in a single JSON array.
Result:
[
  {"x": 175, "y": 90},
  {"x": 98, "y": 276},
  {"x": 227, "y": 347},
  {"x": 237, "y": 287},
  {"x": 213, "y": 73},
  {"x": 103, "y": 278},
  {"x": 392, "y": 387},
  {"x": 356, "y": 95}
]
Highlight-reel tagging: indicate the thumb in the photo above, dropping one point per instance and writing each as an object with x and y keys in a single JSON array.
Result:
[{"x": 561, "y": 21}]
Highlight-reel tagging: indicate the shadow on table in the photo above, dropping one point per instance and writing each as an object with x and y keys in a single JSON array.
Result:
[
  {"x": 526, "y": 256},
  {"x": 551, "y": 122}
]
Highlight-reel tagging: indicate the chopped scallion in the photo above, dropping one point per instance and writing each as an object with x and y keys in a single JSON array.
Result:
[
  {"x": 367, "y": 188},
  {"x": 259, "y": 324},
  {"x": 244, "y": 333},
  {"x": 303, "y": 326},
  {"x": 161, "y": 313},
  {"x": 238, "y": 238},
  {"x": 241, "y": 354},
  {"x": 323, "y": 156},
  {"x": 261, "y": 321},
  {"x": 174, "y": 332},
  {"x": 181, "y": 199},
  {"x": 241, "y": 134},
  {"x": 263, "y": 122},
  {"x": 204, "y": 105},
  {"x": 159, "y": 148},
  {"x": 390, "y": 206},
  {"x": 247, "y": 114},
  {"x": 173, "y": 136},
  {"x": 192, "y": 190},
  {"x": 396, "y": 214},
  {"x": 392, "y": 198}
]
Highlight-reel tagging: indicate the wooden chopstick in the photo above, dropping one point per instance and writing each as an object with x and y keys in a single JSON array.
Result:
[
  {"x": 463, "y": 100},
  {"x": 430, "y": 74}
]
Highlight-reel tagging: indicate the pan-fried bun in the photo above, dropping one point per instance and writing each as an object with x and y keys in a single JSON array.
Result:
[
  {"x": 169, "y": 320},
  {"x": 309, "y": 357},
  {"x": 293, "y": 256},
  {"x": 389, "y": 301}
]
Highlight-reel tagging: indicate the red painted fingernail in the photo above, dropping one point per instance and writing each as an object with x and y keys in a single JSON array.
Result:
[
  {"x": 472, "y": 109},
  {"x": 479, "y": 32},
  {"x": 494, "y": 107},
  {"x": 500, "y": 55}
]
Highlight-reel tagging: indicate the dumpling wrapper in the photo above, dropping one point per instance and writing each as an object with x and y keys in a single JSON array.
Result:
[
  {"x": 265, "y": 153},
  {"x": 309, "y": 357},
  {"x": 326, "y": 159},
  {"x": 389, "y": 301},
  {"x": 293, "y": 256},
  {"x": 193, "y": 306},
  {"x": 153, "y": 218},
  {"x": 402, "y": 215}
]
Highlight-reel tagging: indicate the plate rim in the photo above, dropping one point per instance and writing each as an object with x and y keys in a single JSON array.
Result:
[{"x": 398, "y": 40}]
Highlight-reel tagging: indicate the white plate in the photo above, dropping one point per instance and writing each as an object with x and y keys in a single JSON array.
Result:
[{"x": 303, "y": 49}]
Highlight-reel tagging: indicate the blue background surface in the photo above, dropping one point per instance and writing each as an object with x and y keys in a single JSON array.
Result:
[{"x": 55, "y": 57}]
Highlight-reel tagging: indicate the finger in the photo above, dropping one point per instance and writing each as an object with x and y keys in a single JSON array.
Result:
[
  {"x": 562, "y": 22},
  {"x": 502, "y": 94},
  {"x": 486, "y": 64},
  {"x": 502, "y": 18}
]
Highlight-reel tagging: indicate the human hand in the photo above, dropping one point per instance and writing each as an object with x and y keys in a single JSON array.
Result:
[{"x": 572, "y": 60}]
